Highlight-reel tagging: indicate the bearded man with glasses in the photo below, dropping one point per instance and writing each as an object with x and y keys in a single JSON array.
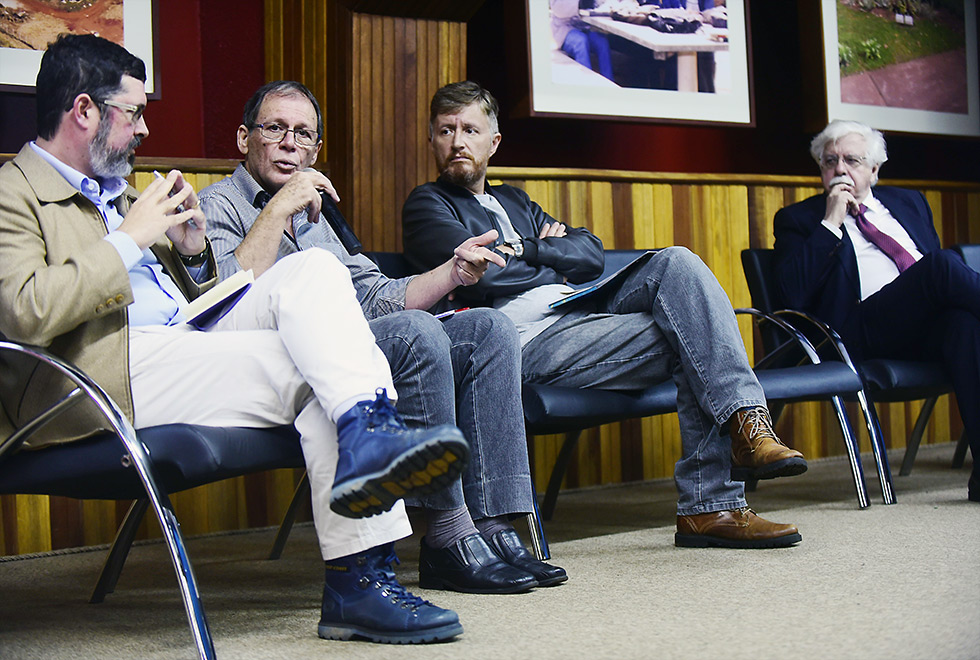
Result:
[{"x": 866, "y": 259}]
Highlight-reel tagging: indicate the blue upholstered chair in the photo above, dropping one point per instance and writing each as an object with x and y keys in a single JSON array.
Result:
[{"x": 125, "y": 465}]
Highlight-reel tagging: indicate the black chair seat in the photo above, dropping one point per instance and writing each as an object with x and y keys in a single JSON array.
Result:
[
  {"x": 904, "y": 380},
  {"x": 808, "y": 382},
  {"x": 183, "y": 455},
  {"x": 551, "y": 409}
]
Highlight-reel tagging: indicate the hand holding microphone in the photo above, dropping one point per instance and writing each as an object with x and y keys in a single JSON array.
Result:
[{"x": 337, "y": 222}]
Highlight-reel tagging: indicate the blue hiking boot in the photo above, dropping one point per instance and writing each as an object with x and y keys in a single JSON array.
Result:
[
  {"x": 381, "y": 460},
  {"x": 362, "y": 598}
]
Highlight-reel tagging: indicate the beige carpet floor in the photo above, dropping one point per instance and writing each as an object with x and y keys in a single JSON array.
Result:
[{"x": 887, "y": 582}]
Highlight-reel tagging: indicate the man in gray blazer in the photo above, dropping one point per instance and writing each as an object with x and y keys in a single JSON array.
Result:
[{"x": 463, "y": 369}]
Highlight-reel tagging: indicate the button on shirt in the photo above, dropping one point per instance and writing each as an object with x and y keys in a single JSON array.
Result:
[
  {"x": 157, "y": 300},
  {"x": 875, "y": 268}
]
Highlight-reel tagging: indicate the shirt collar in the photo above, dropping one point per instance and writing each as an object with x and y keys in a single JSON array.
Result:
[
  {"x": 247, "y": 185},
  {"x": 104, "y": 192}
]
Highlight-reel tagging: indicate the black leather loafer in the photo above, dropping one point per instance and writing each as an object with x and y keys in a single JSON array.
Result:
[
  {"x": 508, "y": 545},
  {"x": 471, "y": 566}
]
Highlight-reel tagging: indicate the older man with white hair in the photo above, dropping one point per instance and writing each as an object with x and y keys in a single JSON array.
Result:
[{"x": 866, "y": 259}]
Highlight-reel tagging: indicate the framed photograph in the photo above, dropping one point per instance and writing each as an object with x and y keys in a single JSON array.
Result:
[
  {"x": 26, "y": 29},
  {"x": 906, "y": 66},
  {"x": 680, "y": 61}
]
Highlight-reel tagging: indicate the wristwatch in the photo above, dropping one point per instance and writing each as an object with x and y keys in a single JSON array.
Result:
[
  {"x": 517, "y": 246},
  {"x": 195, "y": 260}
]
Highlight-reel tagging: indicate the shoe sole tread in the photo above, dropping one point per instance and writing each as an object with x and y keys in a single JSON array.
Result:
[
  {"x": 422, "y": 470},
  {"x": 446, "y": 585},
  {"x": 346, "y": 633},
  {"x": 704, "y": 541},
  {"x": 788, "y": 467}
]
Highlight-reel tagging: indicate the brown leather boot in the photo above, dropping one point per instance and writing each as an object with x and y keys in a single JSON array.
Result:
[
  {"x": 739, "y": 528},
  {"x": 756, "y": 451}
]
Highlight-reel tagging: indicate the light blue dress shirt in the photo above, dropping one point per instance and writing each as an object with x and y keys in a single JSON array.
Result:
[{"x": 157, "y": 300}]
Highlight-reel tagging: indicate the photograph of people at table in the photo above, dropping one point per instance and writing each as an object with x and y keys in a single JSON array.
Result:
[{"x": 665, "y": 44}]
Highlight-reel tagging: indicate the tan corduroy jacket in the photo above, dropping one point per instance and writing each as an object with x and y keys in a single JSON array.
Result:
[{"x": 64, "y": 288}]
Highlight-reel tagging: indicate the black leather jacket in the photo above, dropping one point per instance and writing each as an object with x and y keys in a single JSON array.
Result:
[{"x": 438, "y": 216}]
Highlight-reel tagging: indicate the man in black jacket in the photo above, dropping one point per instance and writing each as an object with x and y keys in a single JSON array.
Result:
[{"x": 669, "y": 317}]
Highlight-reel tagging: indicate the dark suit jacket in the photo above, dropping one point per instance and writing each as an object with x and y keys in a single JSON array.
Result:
[{"x": 817, "y": 272}]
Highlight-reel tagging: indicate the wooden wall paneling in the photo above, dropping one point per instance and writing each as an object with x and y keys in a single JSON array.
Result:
[
  {"x": 600, "y": 210},
  {"x": 33, "y": 523},
  {"x": 611, "y": 449},
  {"x": 101, "y": 520}
]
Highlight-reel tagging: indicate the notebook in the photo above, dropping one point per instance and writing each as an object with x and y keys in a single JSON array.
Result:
[
  {"x": 616, "y": 278},
  {"x": 209, "y": 307}
]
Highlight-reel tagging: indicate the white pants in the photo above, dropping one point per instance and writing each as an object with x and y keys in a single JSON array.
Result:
[{"x": 294, "y": 348}]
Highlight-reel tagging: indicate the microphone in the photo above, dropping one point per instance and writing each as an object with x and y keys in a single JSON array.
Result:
[
  {"x": 336, "y": 220},
  {"x": 329, "y": 210}
]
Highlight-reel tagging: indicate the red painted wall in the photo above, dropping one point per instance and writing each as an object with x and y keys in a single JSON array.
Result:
[{"x": 210, "y": 55}]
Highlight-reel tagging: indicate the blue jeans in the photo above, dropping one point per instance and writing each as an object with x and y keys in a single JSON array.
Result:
[
  {"x": 669, "y": 319},
  {"x": 464, "y": 371},
  {"x": 580, "y": 44}
]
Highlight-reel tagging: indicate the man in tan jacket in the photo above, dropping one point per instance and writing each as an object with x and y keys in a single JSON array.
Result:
[{"x": 102, "y": 276}]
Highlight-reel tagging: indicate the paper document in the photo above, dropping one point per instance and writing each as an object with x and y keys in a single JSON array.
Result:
[
  {"x": 208, "y": 308},
  {"x": 614, "y": 279}
]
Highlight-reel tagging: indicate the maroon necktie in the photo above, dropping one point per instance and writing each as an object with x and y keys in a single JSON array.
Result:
[{"x": 885, "y": 243}]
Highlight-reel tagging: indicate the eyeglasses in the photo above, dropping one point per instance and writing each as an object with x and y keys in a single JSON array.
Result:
[
  {"x": 135, "y": 111},
  {"x": 830, "y": 161},
  {"x": 304, "y": 137}
]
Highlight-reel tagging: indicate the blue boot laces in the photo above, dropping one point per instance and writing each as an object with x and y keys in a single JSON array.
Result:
[
  {"x": 381, "y": 412},
  {"x": 380, "y": 576}
]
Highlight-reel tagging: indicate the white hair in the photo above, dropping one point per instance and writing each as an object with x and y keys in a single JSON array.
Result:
[{"x": 838, "y": 129}]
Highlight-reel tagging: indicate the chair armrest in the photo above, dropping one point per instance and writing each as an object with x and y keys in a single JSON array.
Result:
[
  {"x": 828, "y": 333},
  {"x": 85, "y": 388},
  {"x": 796, "y": 336}
]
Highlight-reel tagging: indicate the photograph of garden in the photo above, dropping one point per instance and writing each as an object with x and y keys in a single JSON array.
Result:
[{"x": 903, "y": 54}]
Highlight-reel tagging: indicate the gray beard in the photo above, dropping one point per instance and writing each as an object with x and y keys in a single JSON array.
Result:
[{"x": 108, "y": 162}]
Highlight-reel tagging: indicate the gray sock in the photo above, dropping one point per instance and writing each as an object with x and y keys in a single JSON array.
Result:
[
  {"x": 446, "y": 527},
  {"x": 490, "y": 526}
]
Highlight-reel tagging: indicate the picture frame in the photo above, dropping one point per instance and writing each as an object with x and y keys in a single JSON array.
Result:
[
  {"x": 561, "y": 87},
  {"x": 942, "y": 102},
  {"x": 19, "y": 66}
]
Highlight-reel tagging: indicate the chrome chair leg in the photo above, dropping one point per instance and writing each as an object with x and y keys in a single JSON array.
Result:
[
  {"x": 116, "y": 557},
  {"x": 879, "y": 449},
  {"x": 558, "y": 473},
  {"x": 302, "y": 492},
  {"x": 853, "y": 453},
  {"x": 539, "y": 542},
  {"x": 917, "y": 432}
]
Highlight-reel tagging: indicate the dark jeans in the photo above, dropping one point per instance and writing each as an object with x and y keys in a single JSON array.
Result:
[{"x": 464, "y": 371}]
